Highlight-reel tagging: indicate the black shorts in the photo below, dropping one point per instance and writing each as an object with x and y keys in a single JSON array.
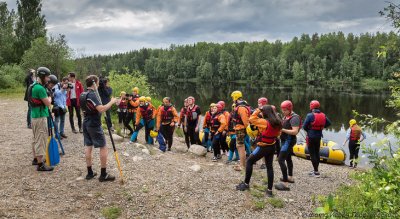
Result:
[{"x": 94, "y": 136}]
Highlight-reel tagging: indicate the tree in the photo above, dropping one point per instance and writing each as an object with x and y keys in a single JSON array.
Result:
[
  {"x": 298, "y": 72},
  {"x": 7, "y": 36},
  {"x": 30, "y": 25}
]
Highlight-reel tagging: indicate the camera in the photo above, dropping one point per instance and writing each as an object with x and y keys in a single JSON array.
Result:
[{"x": 70, "y": 86}]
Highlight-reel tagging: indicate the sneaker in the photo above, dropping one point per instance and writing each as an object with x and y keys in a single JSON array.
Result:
[
  {"x": 282, "y": 187},
  {"x": 269, "y": 193},
  {"x": 242, "y": 186},
  {"x": 80, "y": 130},
  {"x": 219, "y": 156},
  {"x": 169, "y": 149},
  {"x": 91, "y": 176},
  {"x": 34, "y": 162},
  {"x": 214, "y": 159},
  {"x": 263, "y": 166},
  {"x": 315, "y": 174},
  {"x": 106, "y": 178},
  {"x": 289, "y": 181},
  {"x": 44, "y": 167},
  {"x": 29, "y": 126},
  {"x": 63, "y": 135}
]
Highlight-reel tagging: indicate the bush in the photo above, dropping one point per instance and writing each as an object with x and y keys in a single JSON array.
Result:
[{"x": 11, "y": 76}]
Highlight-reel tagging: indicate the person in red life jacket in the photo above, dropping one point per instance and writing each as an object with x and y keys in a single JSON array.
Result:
[
  {"x": 122, "y": 104},
  {"x": 132, "y": 105},
  {"x": 167, "y": 117},
  {"x": 240, "y": 118},
  {"x": 182, "y": 122},
  {"x": 353, "y": 135},
  {"x": 314, "y": 123},
  {"x": 73, "y": 101},
  {"x": 207, "y": 127},
  {"x": 145, "y": 115},
  {"x": 269, "y": 128},
  {"x": 224, "y": 145},
  {"x": 290, "y": 128},
  {"x": 193, "y": 113},
  {"x": 218, "y": 124},
  {"x": 262, "y": 101}
]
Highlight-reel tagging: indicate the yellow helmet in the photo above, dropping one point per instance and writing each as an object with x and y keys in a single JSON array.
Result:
[
  {"x": 228, "y": 140},
  {"x": 212, "y": 105},
  {"x": 251, "y": 133},
  {"x": 153, "y": 133},
  {"x": 136, "y": 90},
  {"x": 142, "y": 99},
  {"x": 236, "y": 95},
  {"x": 352, "y": 122},
  {"x": 148, "y": 99},
  {"x": 122, "y": 93}
]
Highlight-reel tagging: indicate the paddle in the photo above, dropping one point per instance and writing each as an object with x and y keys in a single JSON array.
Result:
[
  {"x": 112, "y": 139},
  {"x": 57, "y": 134}
]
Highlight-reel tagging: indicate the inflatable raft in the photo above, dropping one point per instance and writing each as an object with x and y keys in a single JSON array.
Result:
[{"x": 330, "y": 152}]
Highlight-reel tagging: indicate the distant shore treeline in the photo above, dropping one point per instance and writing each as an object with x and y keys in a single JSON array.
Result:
[{"x": 330, "y": 57}]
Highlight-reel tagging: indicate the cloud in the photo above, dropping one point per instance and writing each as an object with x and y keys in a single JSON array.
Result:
[{"x": 108, "y": 26}]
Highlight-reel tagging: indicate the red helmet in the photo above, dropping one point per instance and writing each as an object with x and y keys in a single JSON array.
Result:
[
  {"x": 314, "y": 104},
  {"x": 263, "y": 101},
  {"x": 222, "y": 103},
  {"x": 287, "y": 104},
  {"x": 219, "y": 107}
]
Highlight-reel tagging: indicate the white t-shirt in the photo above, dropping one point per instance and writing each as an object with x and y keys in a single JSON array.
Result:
[{"x": 73, "y": 93}]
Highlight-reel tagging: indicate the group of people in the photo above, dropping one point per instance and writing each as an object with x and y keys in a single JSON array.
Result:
[{"x": 225, "y": 131}]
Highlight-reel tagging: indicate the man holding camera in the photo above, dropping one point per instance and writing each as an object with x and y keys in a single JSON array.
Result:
[
  {"x": 60, "y": 105},
  {"x": 76, "y": 89},
  {"x": 105, "y": 92}
]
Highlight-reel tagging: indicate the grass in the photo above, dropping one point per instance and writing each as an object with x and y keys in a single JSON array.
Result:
[
  {"x": 259, "y": 204},
  {"x": 257, "y": 194},
  {"x": 179, "y": 132},
  {"x": 18, "y": 92},
  {"x": 276, "y": 202},
  {"x": 111, "y": 212},
  {"x": 145, "y": 189}
]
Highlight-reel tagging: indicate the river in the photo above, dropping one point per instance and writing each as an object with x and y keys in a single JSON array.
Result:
[{"x": 337, "y": 102}]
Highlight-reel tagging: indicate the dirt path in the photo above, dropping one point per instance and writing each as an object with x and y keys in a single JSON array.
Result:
[{"x": 157, "y": 185}]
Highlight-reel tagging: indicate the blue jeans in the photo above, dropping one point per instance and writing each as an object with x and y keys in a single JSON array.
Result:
[{"x": 59, "y": 123}]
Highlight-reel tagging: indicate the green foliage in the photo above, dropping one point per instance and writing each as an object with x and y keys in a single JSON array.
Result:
[
  {"x": 276, "y": 202},
  {"x": 7, "y": 36},
  {"x": 52, "y": 52},
  {"x": 332, "y": 56},
  {"x": 259, "y": 204},
  {"x": 111, "y": 212},
  {"x": 30, "y": 24},
  {"x": 11, "y": 76},
  {"x": 125, "y": 82},
  {"x": 373, "y": 84}
]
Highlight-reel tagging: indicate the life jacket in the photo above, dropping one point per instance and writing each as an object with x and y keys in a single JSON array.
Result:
[
  {"x": 319, "y": 121},
  {"x": 147, "y": 112},
  {"x": 166, "y": 113},
  {"x": 286, "y": 124},
  {"x": 215, "y": 124},
  {"x": 34, "y": 102},
  {"x": 191, "y": 113},
  {"x": 87, "y": 106},
  {"x": 123, "y": 104},
  {"x": 355, "y": 133},
  {"x": 269, "y": 135},
  {"x": 236, "y": 118},
  {"x": 130, "y": 107},
  {"x": 208, "y": 118}
]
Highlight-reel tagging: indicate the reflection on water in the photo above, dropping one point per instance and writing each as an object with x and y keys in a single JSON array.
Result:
[{"x": 336, "y": 103}]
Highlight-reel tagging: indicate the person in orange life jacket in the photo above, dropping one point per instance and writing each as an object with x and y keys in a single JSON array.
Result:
[
  {"x": 167, "y": 117},
  {"x": 144, "y": 118},
  {"x": 182, "y": 122},
  {"x": 232, "y": 143},
  {"x": 193, "y": 113},
  {"x": 218, "y": 124},
  {"x": 73, "y": 101},
  {"x": 132, "y": 105},
  {"x": 353, "y": 135},
  {"x": 240, "y": 119},
  {"x": 262, "y": 101},
  {"x": 206, "y": 128},
  {"x": 314, "y": 123},
  {"x": 122, "y": 106},
  {"x": 269, "y": 128},
  {"x": 291, "y": 127},
  {"x": 224, "y": 145}
]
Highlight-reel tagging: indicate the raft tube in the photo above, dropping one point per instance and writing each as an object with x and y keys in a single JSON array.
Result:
[{"x": 330, "y": 152}]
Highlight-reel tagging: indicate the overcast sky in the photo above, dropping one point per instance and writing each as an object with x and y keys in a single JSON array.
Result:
[{"x": 110, "y": 26}]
